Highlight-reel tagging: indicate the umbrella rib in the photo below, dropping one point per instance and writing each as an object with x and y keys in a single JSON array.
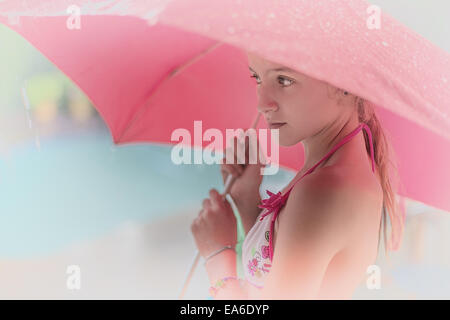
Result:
[
  {"x": 170, "y": 75},
  {"x": 194, "y": 59}
]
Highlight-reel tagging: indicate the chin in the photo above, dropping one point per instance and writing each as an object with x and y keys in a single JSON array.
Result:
[{"x": 287, "y": 140}]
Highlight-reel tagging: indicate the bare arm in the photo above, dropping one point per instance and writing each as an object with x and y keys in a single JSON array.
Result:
[
  {"x": 248, "y": 213},
  {"x": 224, "y": 265},
  {"x": 319, "y": 215},
  {"x": 314, "y": 228}
]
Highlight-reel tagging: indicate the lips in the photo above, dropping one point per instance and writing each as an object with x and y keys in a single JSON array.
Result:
[{"x": 276, "y": 125}]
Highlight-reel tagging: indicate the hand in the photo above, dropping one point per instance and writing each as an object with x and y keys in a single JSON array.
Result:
[
  {"x": 245, "y": 189},
  {"x": 215, "y": 225}
]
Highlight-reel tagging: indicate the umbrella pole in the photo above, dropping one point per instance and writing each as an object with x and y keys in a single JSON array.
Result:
[{"x": 228, "y": 183}]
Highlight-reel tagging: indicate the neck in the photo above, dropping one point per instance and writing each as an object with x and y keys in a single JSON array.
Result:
[{"x": 318, "y": 145}]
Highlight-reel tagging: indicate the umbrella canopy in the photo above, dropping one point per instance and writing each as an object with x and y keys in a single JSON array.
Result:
[{"x": 150, "y": 67}]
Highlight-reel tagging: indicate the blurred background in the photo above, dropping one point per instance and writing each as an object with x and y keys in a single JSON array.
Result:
[{"x": 69, "y": 196}]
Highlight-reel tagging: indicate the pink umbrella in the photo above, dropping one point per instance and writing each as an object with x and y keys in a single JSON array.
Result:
[{"x": 146, "y": 65}]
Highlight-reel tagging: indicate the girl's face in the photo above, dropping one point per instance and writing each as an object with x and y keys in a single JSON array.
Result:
[{"x": 305, "y": 105}]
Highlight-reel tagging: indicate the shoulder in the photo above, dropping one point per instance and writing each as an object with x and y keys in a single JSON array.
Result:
[
  {"x": 329, "y": 203},
  {"x": 328, "y": 186},
  {"x": 340, "y": 187},
  {"x": 322, "y": 217}
]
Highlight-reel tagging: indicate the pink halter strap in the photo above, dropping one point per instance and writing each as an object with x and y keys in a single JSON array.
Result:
[{"x": 276, "y": 201}]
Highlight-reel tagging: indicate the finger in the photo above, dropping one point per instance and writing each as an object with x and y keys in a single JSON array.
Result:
[
  {"x": 194, "y": 225},
  {"x": 235, "y": 146},
  {"x": 235, "y": 170},
  {"x": 256, "y": 152},
  {"x": 198, "y": 218},
  {"x": 232, "y": 173},
  {"x": 241, "y": 146},
  {"x": 206, "y": 204},
  {"x": 203, "y": 215},
  {"x": 226, "y": 175},
  {"x": 261, "y": 157},
  {"x": 230, "y": 152},
  {"x": 252, "y": 150},
  {"x": 247, "y": 149},
  {"x": 216, "y": 198},
  {"x": 241, "y": 152}
]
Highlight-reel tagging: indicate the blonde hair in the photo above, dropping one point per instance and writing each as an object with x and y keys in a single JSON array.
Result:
[{"x": 384, "y": 156}]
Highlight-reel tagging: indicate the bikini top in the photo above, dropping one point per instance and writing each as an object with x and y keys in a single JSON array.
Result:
[{"x": 276, "y": 201}]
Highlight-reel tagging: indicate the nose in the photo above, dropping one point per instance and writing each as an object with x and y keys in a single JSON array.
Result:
[{"x": 266, "y": 103}]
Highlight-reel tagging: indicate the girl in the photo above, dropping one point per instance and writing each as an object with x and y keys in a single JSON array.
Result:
[{"x": 315, "y": 238}]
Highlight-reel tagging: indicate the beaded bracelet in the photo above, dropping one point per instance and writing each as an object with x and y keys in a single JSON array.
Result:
[{"x": 220, "y": 284}]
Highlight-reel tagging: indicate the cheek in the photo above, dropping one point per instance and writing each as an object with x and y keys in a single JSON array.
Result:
[
  {"x": 317, "y": 102},
  {"x": 305, "y": 112},
  {"x": 299, "y": 105},
  {"x": 308, "y": 101}
]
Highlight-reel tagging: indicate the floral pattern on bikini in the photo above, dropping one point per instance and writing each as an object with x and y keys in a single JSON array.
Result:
[
  {"x": 260, "y": 263},
  {"x": 272, "y": 204}
]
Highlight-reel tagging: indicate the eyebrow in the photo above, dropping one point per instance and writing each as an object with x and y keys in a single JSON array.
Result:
[{"x": 277, "y": 69}]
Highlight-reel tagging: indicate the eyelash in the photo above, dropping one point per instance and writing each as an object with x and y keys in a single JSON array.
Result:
[{"x": 280, "y": 77}]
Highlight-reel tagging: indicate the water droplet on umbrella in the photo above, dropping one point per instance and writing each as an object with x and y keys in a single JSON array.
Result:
[
  {"x": 271, "y": 15},
  {"x": 231, "y": 30},
  {"x": 326, "y": 26},
  {"x": 444, "y": 79},
  {"x": 385, "y": 44}
]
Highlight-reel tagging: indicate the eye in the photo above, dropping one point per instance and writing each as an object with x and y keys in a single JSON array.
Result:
[
  {"x": 285, "y": 82},
  {"x": 256, "y": 77}
]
